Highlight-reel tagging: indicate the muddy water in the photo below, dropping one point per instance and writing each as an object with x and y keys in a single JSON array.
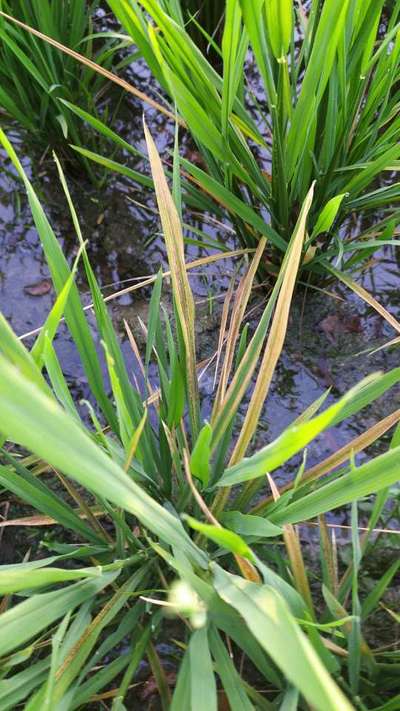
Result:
[{"x": 328, "y": 332}]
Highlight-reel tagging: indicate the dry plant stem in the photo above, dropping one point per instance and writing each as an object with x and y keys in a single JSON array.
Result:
[
  {"x": 388, "y": 344},
  {"x": 342, "y": 455},
  {"x": 292, "y": 543},
  {"x": 230, "y": 345},
  {"x": 110, "y": 694},
  {"x": 276, "y": 337},
  {"x": 240, "y": 304},
  {"x": 368, "y": 298},
  {"x": 4, "y": 602},
  {"x": 293, "y": 548},
  {"x": 96, "y": 68},
  {"x": 329, "y": 555},
  {"x": 222, "y": 338},
  {"x": 39, "y": 521},
  {"x": 136, "y": 352},
  {"x": 272, "y": 350},
  {"x": 339, "y": 651},
  {"x": 343, "y": 527},
  {"x": 151, "y": 279},
  {"x": 247, "y": 569}
]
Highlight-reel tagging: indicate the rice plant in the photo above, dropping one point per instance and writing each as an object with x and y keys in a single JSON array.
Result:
[
  {"x": 34, "y": 76},
  {"x": 328, "y": 111},
  {"x": 203, "y": 21},
  {"x": 158, "y": 512}
]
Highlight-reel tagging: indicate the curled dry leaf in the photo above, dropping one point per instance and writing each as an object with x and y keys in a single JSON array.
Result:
[{"x": 40, "y": 288}]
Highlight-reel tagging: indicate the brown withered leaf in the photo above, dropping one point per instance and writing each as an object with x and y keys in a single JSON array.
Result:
[{"x": 40, "y": 288}]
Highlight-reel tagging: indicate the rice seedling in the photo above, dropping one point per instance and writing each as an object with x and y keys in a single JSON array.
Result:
[
  {"x": 163, "y": 511},
  {"x": 328, "y": 113},
  {"x": 34, "y": 77}
]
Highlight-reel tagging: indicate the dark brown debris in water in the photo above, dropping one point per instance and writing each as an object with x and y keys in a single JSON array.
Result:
[
  {"x": 40, "y": 288},
  {"x": 333, "y": 325}
]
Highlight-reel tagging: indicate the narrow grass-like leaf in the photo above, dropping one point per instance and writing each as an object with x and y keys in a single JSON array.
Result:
[
  {"x": 279, "y": 14},
  {"x": 374, "y": 597},
  {"x": 182, "y": 292},
  {"x": 270, "y": 621},
  {"x": 276, "y": 336},
  {"x": 343, "y": 454},
  {"x": 16, "y": 688},
  {"x": 227, "y": 539},
  {"x": 70, "y": 666},
  {"x": 182, "y": 693},
  {"x": 16, "y": 353},
  {"x": 18, "y": 579},
  {"x": 31, "y": 490},
  {"x": 200, "y": 457},
  {"x": 327, "y": 215},
  {"x": 231, "y": 680},
  {"x": 89, "y": 63},
  {"x": 26, "y": 413},
  {"x": 40, "y": 611},
  {"x": 361, "y": 481},
  {"x": 53, "y": 320},
  {"x": 368, "y": 298},
  {"x": 203, "y": 688},
  {"x": 297, "y": 437},
  {"x": 60, "y": 273},
  {"x": 247, "y": 525}
]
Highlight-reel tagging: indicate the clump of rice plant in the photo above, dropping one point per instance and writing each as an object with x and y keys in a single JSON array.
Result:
[
  {"x": 35, "y": 76},
  {"x": 327, "y": 112},
  {"x": 161, "y": 514}
]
